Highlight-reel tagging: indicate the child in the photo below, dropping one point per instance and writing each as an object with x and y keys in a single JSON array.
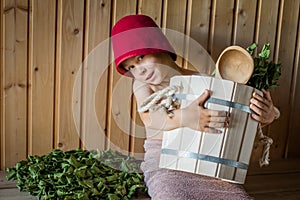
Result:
[{"x": 143, "y": 52}]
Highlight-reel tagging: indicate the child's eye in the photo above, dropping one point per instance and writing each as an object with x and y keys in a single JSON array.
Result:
[
  {"x": 139, "y": 58},
  {"x": 131, "y": 67}
]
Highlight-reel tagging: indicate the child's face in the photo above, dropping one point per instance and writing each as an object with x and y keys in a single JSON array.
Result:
[{"x": 150, "y": 68}]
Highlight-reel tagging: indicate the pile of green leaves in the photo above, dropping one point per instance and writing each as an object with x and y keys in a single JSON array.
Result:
[
  {"x": 79, "y": 174},
  {"x": 266, "y": 73}
]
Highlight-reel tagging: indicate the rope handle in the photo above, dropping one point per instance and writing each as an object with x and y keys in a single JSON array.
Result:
[
  {"x": 265, "y": 157},
  {"x": 265, "y": 160},
  {"x": 162, "y": 100}
]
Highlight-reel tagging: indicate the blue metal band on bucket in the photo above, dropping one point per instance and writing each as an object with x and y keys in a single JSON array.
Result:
[
  {"x": 219, "y": 102},
  {"x": 209, "y": 158},
  {"x": 229, "y": 104}
]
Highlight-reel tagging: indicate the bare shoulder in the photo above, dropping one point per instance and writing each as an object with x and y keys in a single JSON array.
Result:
[{"x": 141, "y": 91}]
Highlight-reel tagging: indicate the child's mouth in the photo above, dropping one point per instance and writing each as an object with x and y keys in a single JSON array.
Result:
[{"x": 149, "y": 76}]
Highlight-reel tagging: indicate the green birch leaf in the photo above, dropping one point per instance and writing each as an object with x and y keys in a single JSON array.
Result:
[
  {"x": 266, "y": 73},
  {"x": 251, "y": 48}
]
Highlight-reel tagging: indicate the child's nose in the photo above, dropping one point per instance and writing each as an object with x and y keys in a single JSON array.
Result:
[{"x": 142, "y": 70}]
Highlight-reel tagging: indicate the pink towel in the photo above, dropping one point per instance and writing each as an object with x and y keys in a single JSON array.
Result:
[{"x": 164, "y": 184}]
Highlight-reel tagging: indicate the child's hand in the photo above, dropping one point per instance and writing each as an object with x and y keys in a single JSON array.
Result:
[
  {"x": 263, "y": 108},
  {"x": 197, "y": 117}
]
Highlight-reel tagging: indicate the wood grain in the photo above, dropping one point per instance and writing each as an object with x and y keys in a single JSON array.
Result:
[
  {"x": 15, "y": 80},
  {"x": 41, "y": 77},
  {"x": 271, "y": 183},
  {"x": 174, "y": 19},
  {"x": 138, "y": 132},
  {"x": 291, "y": 57},
  {"x": 2, "y": 117},
  {"x": 68, "y": 61},
  {"x": 222, "y": 27},
  {"x": 120, "y": 91},
  {"x": 245, "y": 23},
  {"x": 95, "y": 74}
]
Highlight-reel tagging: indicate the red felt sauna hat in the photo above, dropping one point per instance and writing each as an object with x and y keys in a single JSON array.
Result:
[{"x": 136, "y": 35}]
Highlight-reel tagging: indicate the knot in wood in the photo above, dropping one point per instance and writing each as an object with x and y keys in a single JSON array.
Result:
[{"x": 76, "y": 31}]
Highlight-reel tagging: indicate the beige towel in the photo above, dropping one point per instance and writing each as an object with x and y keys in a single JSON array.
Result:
[{"x": 164, "y": 184}]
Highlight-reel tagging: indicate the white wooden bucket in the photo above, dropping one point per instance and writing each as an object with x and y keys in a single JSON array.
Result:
[{"x": 226, "y": 155}]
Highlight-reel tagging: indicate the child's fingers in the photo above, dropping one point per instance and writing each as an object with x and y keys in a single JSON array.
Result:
[
  {"x": 260, "y": 118},
  {"x": 219, "y": 119},
  {"x": 255, "y": 109},
  {"x": 218, "y": 124},
  {"x": 257, "y": 104},
  {"x": 267, "y": 95},
  {"x": 256, "y": 117},
  {"x": 217, "y": 113},
  {"x": 257, "y": 113},
  {"x": 211, "y": 130},
  {"x": 260, "y": 101},
  {"x": 258, "y": 97},
  {"x": 202, "y": 98},
  {"x": 266, "y": 98}
]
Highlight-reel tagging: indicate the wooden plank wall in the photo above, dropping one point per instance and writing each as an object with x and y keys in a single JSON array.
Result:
[{"x": 59, "y": 88}]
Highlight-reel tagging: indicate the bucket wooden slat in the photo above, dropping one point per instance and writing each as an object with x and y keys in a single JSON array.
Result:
[
  {"x": 212, "y": 143},
  {"x": 235, "y": 138},
  {"x": 189, "y": 141}
]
